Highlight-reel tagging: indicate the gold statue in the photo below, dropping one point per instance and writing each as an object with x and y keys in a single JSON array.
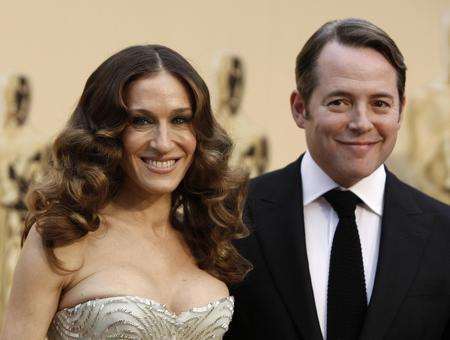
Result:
[
  {"x": 21, "y": 162},
  {"x": 251, "y": 145},
  {"x": 426, "y": 161}
]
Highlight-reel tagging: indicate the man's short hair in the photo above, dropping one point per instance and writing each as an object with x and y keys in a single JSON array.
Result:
[{"x": 349, "y": 32}]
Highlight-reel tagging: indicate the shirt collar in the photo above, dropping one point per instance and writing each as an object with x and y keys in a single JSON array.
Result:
[{"x": 315, "y": 182}]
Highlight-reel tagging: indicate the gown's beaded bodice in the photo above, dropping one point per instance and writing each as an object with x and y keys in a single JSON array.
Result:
[{"x": 131, "y": 317}]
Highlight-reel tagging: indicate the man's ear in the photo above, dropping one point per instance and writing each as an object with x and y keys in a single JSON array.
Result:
[
  {"x": 298, "y": 109},
  {"x": 402, "y": 109}
]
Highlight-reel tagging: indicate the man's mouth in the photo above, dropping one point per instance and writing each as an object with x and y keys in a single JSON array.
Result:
[
  {"x": 360, "y": 148},
  {"x": 362, "y": 143}
]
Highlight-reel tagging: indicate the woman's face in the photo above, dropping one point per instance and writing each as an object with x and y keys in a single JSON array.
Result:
[{"x": 159, "y": 143}]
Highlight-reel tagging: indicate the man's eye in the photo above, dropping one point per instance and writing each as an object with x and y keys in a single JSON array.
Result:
[
  {"x": 140, "y": 121},
  {"x": 381, "y": 103},
  {"x": 336, "y": 102}
]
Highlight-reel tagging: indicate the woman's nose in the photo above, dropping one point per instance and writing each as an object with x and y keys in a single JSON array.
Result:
[{"x": 162, "y": 140}]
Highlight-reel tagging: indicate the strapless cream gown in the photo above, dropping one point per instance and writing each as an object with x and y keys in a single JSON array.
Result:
[{"x": 132, "y": 317}]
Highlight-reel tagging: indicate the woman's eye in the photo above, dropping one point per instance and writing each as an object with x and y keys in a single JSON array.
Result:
[
  {"x": 140, "y": 121},
  {"x": 181, "y": 120}
]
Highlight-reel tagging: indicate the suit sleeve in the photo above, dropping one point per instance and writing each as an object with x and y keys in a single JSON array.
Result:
[
  {"x": 240, "y": 327},
  {"x": 446, "y": 334}
]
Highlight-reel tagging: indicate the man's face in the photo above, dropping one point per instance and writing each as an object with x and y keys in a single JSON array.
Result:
[{"x": 353, "y": 115}]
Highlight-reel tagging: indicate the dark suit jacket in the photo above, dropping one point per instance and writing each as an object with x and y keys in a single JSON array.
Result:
[{"x": 411, "y": 294}]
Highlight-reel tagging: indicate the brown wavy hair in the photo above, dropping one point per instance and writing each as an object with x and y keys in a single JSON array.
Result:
[{"x": 85, "y": 172}]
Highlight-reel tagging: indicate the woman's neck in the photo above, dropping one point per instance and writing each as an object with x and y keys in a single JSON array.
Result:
[{"x": 141, "y": 208}]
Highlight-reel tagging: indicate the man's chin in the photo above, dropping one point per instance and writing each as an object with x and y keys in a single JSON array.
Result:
[{"x": 351, "y": 173}]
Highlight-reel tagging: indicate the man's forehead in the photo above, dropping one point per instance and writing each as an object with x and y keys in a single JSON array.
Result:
[
  {"x": 346, "y": 57},
  {"x": 339, "y": 63}
]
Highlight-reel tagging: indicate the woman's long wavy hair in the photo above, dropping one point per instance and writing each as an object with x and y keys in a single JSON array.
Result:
[{"x": 85, "y": 172}]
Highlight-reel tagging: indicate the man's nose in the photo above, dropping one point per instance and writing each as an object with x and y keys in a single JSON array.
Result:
[
  {"x": 162, "y": 139},
  {"x": 360, "y": 120}
]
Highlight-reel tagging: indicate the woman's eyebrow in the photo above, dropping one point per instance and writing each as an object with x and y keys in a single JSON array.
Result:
[
  {"x": 182, "y": 110},
  {"x": 150, "y": 113},
  {"x": 141, "y": 111}
]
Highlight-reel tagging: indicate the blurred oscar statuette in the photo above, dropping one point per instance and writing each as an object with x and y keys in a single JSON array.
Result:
[
  {"x": 21, "y": 162},
  {"x": 251, "y": 148},
  {"x": 425, "y": 162}
]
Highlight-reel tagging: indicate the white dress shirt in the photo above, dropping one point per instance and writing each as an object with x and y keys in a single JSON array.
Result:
[{"x": 321, "y": 222}]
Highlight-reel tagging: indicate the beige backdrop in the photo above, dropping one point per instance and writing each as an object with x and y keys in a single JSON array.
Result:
[{"x": 58, "y": 43}]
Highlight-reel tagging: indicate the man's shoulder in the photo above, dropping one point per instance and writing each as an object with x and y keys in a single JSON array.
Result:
[
  {"x": 266, "y": 180},
  {"x": 424, "y": 202},
  {"x": 274, "y": 181}
]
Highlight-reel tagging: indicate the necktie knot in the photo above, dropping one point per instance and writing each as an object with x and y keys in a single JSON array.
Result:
[{"x": 343, "y": 202}]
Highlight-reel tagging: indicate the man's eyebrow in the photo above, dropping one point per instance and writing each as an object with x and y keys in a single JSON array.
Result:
[
  {"x": 337, "y": 93},
  {"x": 383, "y": 94}
]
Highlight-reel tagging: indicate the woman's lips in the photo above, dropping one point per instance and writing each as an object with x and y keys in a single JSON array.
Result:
[{"x": 160, "y": 166}]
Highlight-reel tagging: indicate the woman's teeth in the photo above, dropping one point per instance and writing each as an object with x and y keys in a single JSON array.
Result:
[{"x": 161, "y": 165}]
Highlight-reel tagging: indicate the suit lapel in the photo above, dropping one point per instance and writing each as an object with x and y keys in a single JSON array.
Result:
[
  {"x": 280, "y": 232},
  {"x": 403, "y": 238}
]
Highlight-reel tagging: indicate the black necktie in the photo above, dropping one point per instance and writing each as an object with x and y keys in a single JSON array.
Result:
[{"x": 347, "y": 300}]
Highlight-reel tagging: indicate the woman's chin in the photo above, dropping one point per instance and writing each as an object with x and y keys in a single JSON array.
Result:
[{"x": 160, "y": 187}]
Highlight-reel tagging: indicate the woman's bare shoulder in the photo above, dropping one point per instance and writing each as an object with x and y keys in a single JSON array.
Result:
[
  {"x": 212, "y": 286},
  {"x": 37, "y": 288},
  {"x": 35, "y": 255}
]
